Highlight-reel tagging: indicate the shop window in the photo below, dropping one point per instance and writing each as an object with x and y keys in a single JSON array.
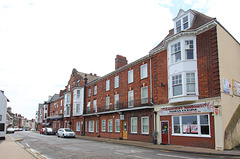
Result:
[
  {"x": 191, "y": 125},
  {"x": 134, "y": 125}
]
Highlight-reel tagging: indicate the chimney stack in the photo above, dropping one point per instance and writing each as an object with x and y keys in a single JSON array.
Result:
[{"x": 120, "y": 61}]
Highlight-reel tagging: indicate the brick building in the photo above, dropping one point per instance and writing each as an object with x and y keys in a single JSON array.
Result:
[{"x": 203, "y": 84}]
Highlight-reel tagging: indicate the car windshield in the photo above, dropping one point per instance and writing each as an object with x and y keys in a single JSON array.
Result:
[
  {"x": 68, "y": 130},
  {"x": 50, "y": 129}
]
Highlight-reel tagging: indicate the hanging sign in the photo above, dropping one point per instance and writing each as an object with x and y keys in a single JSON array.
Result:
[
  {"x": 188, "y": 109},
  {"x": 121, "y": 117}
]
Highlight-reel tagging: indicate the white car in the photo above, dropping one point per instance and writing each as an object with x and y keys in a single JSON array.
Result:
[{"x": 66, "y": 132}]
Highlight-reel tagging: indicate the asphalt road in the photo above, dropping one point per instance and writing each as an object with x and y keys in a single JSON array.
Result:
[{"x": 53, "y": 147}]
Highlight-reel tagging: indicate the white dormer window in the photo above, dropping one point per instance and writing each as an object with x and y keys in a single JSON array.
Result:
[
  {"x": 178, "y": 26},
  {"x": 182, "y": 24},
  {"x": 185, "y": 22}
]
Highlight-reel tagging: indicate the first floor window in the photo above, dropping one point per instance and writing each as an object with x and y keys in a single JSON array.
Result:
[
  {"x": 144, "y": 95},
  {"x": 145, "y": 125},
  {"x": 117, "y": 125},
  {"x": 130, "y": 99},
  {"x": 130, "y": 76},
  {"x": 110, "y": 125},
  {"x": 91, "y": 126},
  {"x": 197, "y": 125},
  {"x": 176, "y": 52},
  {"x": 95, "y": 105},
  {"x": 190, "y": 82},
  {"x": 103, "y": 125},
  {"x": 78, "y": 108},
  {"x": 143, "y": 71},
  {"x": 116, "y": 81},
  {"x": 134, "y": 125},
  {"x": 116, "y": 101},
  {"x": 107, "y": 102},
  {"x": 189, "y": 49},
  {"x": 177, "y": 84}
]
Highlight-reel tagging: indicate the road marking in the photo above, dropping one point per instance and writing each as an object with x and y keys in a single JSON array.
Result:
[
  {"x": 27, "y": 145},
  {"x": 174, "y": 156},
  {"x": 141, "y": 157}
]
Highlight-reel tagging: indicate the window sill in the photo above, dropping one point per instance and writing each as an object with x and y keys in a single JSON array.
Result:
[{"x": 189, "y": 135}]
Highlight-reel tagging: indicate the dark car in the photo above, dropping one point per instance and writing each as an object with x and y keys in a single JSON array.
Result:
[
  {"x": 42, "y": 130},
  {"x": 49, "y": 131}
]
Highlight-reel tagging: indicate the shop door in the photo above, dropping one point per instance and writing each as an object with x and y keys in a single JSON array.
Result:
[
  {"x": 124, "y": 130},
  {"x": 165, "y": 135}
]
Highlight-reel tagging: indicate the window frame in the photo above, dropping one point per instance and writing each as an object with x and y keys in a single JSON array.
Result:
[
  {"x": 143, "y": 99},
  {"x": 91, "y": 126},
  {"x": 95, "y": 90},
  {"x": 103, "y": 129},
  {"x": 134, "y": 132},
  {"x": 199, "y": 134},
  {"x": 130, "y": 95},
  {"x": 117, "y": 125},
  {"x": 142, "y": 118},
  {"x": 110, "y": 125},
  {"x": 107, "y": 85},
  {"x": 116, "y": 101},
  {"x": 130, "y": 76},
  {"x": 108, "y": 102},
  {"x": 176, "y": 48},
  {"x": 177, "y": 83},
  {"x": 116, "y": 81},
  {"x": 144, "y": 71}
]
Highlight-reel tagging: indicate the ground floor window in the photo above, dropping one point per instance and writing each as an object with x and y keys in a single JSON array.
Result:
[
  {"x": 191, "y": 125},
  {"x": 117, "y": 125},
  {"x": 78, "y": 126},
  {"x": 145, "y": 125},
  {"x": 103, "y": 125},
  {"x": 134, "y": 125},
  {"x": 91, "y": 126},
  {"x": 110, "y": 125},
  {"x": 97, "y": 126}
]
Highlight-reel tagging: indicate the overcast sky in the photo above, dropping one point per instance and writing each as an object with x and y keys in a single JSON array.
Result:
[{"x": 41, "y": 41}]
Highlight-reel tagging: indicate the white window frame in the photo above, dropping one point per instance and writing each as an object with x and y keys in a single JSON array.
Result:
[
  {"x": 116, "y": 101},
  {"x": 91, "y": 126},
  {"x": 190, "y": 81},
  {"x": 176, "y": 49},
  {"x": 78, "y": 126},
  {"x": 144, "y": 97},
  {"x": 189, "y": 46},
  {"x": 89, "y": 106},
  {"x": 176, "y": 82},
  {"x": 108, "y": 102},
  {"x": 95, "y": 90},
  {"x": 107, "y": 85},
  {"x": 78, "y": 94},
  {"x": 130, "y": 76},
  {"x": 117, "y": 125},
  {"x": 134, "y": 132},
  {"x": 103, "y": 125},
  {"x": 131, "y": 98},
  {"x": 89, "y": 92},
  {"x": 78, "y": 108},
  {"x": 95, "y": 105},
  {"x": 198, "y": 126},
  {"x": 110, "y": 125},
  {"x": 143, "y": 71},
  {"x": 96, "y": 126},
  {"x": 142, "y": 124},
  {"x": 116, "y": 81}
]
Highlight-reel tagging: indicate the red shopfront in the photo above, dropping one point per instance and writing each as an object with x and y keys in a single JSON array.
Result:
[{"x": 188, "y": 125}]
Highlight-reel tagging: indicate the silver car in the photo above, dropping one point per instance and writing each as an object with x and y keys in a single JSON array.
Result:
[{"x": 66, "y": 132}]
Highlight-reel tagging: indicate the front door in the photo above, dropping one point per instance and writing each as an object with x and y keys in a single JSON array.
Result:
[
  {"x": 124, "y": 130},
  {"x": 165, "y": 136}
]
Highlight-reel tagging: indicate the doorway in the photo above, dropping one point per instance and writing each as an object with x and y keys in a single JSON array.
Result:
[
  {"x": 125, "y": 130},
  {"x": 165, "y": 132}
]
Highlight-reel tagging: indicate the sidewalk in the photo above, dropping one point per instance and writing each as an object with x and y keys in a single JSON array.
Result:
[
  {"x": 10, "y": 149},
  {"x": 175, "y": 148}
]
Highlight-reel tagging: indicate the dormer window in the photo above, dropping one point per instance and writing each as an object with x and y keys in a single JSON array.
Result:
[
  {"x": 182, "y": 24},
  {"x": 185, "y": 22},
  {"x": 178, "y": 26}
]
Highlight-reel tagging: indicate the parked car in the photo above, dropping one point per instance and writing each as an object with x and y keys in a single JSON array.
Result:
[
  {"x": 42, "y": 130},
  {"x": 66, "y": 132},
  {"x": 10, "y": 130},
  {"x": 49, "y": 131}
]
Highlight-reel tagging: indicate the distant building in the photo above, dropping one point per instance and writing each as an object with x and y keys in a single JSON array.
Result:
[{"x": 3, "y": 114}]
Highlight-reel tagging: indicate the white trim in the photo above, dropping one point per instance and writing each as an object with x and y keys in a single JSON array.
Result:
[
  {"x": 142, "y": 124},
  {"x": 132, "y": 124}
]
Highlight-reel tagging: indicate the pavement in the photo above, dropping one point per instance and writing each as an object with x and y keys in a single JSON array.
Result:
[{"x": 11, "y": 149}]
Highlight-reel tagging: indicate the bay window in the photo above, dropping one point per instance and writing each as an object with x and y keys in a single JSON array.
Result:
[
  {"x": 177, "y": 85},
  {"x": 176, "y": 52},
  {"x": 189, "y": 48},
  {"x": 191, "y": 125},
  {"x": 190, "y": 77}
]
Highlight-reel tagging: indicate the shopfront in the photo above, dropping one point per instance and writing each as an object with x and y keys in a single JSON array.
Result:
[{"x": 188, "y": 125}]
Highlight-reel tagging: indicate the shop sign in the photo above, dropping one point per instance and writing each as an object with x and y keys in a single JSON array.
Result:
[
  {"x": 121, "y": 117},
  {"x": 188, "y": 109},
  {"x": 226, "y": 86}
]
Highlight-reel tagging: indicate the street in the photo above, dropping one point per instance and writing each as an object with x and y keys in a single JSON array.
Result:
[{"x": 53, "y": 147}]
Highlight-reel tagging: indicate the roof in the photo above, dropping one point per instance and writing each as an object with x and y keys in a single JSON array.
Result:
[{"x": 198, "y": 21}]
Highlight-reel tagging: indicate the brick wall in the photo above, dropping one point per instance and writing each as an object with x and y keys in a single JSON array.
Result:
[{"x": 208, "y": 64}]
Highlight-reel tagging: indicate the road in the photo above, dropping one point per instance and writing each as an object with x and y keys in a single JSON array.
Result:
[{"x": 53, "y": 147}]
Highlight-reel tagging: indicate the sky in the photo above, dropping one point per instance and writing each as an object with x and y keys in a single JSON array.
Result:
[{"x": 41, "y": 41}]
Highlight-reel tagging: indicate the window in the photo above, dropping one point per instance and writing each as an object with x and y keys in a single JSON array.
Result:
[
  {"x": 130, "y": 99},
  {"x": 91, "y": 126},
  {"x": 190, "y": 83},
  {"x": 107, "y": 102},
  {"x": 178, "y": 26},
  {"x": 110, "y": 125},
  {"x": 189, "y": 49},
  {"x": 176, "y": 52},
  {"x": 130, "y": 76},
  {"x": 134, "y": 125},
  {"x": 2, "y": 126},
  {"x": 116, "y": 81},
  {"x": 61, "y": 103},
  {"x": 86, "y": 126},
  {"x": 78, "y": 94},
  {"x": 145, "y": 125},
  {"x": 95, "y": 105},
  {"x": 78, "y": 126},
  {"x": 117, "y": 125},
  {"x": 68, "y": 87},
  {"x": 61, "y": 111},
  {"x": 107, "y": 85},
  {"x": 97, "y": 126},
  {"x": 103, "y": 125},
  {"x": 68, "y": 98},
  {"x": 77, "y": 108},
  {"x": 95, "y": 90},
  {"x": 191, "y": 125},
  {"x": 185, "y": 22},
  {"x": 177, "y": 85},
  {"x": 89, "y": 92},
  {"x": 144, "y": 95},
  {"x": 88, "y": 106},
  {"x": 116, "y": 101},
  {"x": 143, "y": 70}
]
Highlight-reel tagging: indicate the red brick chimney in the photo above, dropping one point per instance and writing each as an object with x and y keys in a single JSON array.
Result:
[{"x": 120, "y": 61}]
